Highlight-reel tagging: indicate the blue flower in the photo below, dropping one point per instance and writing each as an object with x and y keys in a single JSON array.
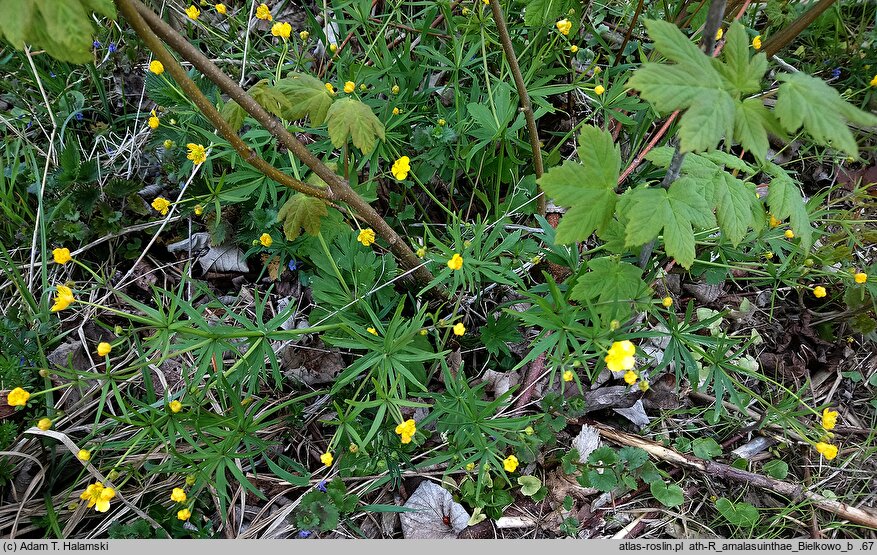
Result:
[
  {"x": 293, "y": 265},
  {"x": 322, "y": 486},
  {"x": 112, "y": 47},
  {"x": 51, "y": 74},
  {"x": 78, "y": 116},
  {"x": 96, "y": 44},
  {"x": 304, "y": 534},
  {"x": 835, "y": 73}
]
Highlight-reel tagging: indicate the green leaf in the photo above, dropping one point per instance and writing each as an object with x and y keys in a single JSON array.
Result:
[
  {"x": 734, "y": 202},
  {"x": 743, "y": 73},
  {"x": 806, "y": 101},
  {"x": 776, "y": 469},
  {"x": 744, "y": 515},
  {"x": 785, "y": 201},
  {"x": 233, "y": 114},
  {"x": 706, "y": 448},
  {"x": 270, "y": 98},
  {"x": 613, "y": 284},
  {"x": 350, "y": 118},
  {"x": 301, "y": 212},
  {"x": 635, "y": 457},
  {"x": 530, "y": 485},
  {"x": 307, "y": 96},
  {"x": 539, "y": 13},
  {"x": 496, "y": 332},
  {"x": 102, "y": 7},
  {"x": 16, "y": 21},
  {"x": 65, "y": 31},
  {"x": 668, "y": 495},
  {"x": 750, "y": 118},
  {"x": 587, "y": 188},
  {"x": 603, "y": 479}
]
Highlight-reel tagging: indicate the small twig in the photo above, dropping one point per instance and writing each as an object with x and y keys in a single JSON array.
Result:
[{"x": 533, "y": 372}]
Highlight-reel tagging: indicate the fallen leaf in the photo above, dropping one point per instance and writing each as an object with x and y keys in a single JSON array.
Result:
[{"x": 431, "y": 504}]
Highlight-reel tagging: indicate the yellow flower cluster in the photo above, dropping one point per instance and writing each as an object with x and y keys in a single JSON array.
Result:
[
  {"x": 266, "y": 240},
  {"x": 819, "y": 292},
  {"x": 184, "y": 514},
  {"x": 827, "y": 450},
  {"x": 564, "y": 25},
  {"x": 175, "y": 406},
  {"x": 459, "y": 329},
  {"x": 44, "y": 424},
  {"x": 161, "y": 205},
  {"x": 860, "y": 277},
  {"x": 281, "y": 30},
  {"x": 262, "y": 12},
  {"x": 98, "y": 496},
  {"x": 568, "y": 376},
  {"x": 104, "y": 348},
  {"x": 220, "y": 8},
  {"x": 178, "y": 495},
  {"x": 406, "y": 430},
  {"x": 756, "y": 42},
  {"x": 349, "y": 87},
  {"x": 156, "y": 67}
]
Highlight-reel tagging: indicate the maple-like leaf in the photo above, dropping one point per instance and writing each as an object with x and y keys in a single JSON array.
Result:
[
  {"x": 353, "y": 119},
  {"x": 301, "y": 212},
  {"x": 307, "y": 96}
]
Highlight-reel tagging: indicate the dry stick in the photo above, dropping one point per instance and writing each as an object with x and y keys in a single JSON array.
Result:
[
  {"x": 636, "y": 14},
  {"x": 526, "y": 106},
  {"x": 779, "y": 41},
  {"x": 152, "y": 30},
  {"x": 853, "y": 514}
]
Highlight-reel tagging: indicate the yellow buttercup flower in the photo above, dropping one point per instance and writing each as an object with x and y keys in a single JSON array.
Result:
[
  {"x": 168, "y": 144},
  {"x": 266, "y": 240},
  {"x": 104, "y": 348},
  {"x": 819, "y": 291},
  {"x": 456, "y": 262},
  {"x": 84, "y": 455},
  {"x": 220, "y": 8},
  {"x": 395, "y": 89},
  {"x": 326, "y": 458},
  {"x": 304, "y": 35},
  {"x": 459, "y": 329},
  {"x": 599, "y": 89},
  {"x": 178, "y": 495},
  {"x": 61, "y": 256},
  {"x": 667, "y": 302},
  {"x": 349, "y": 87},
  {"x": 98, "y": 496},
  {"x": 829, "y": 418},
  {"x": 789, "y": 234},
  {"x": 564, "y": 25},
  {"x": 184, "y": 514},
  {"x": 573, "y": 49},
  {"x": 861, "y": 277},
  {"x": 153, "y": 122},
  {"x": 281, "y": 30},
  {"x": 568, "y": 376},
  {"x": 421, "y": 252},
  {"x": 175, "y": 406},
  {"x": 262, "y": 12},
  {"x": 333, "y": 48},
  {"x": 470, "y": 467},
  {"x": 719, "y": 34},
  {"x": 156, "y": 67},
  {"x": 401, "y": 167},
  {"x": 774, "y": 222},
  {"x": 396, "y": 111},
  {"x": 827, "y": 450},
  {"x": 366, "y": 236},
  {"x": 643, "y": 386},
  {"x": 197, "y": 153},
  {"x": 17, "y": 397},
  {"x": 630, "y": 377},
  {"x": 873, "y": 82},
  {"x": 161, "y": 205},
  {"x": 621, "y": 356},
  {"x": 199, "y": 209},
  {"x": 371, "y": 330},
  {"x": 63, "y": 299},
  {"x": 406, "y": 430},
  {"x": 756, "y": 42},
  {"x": 44, "y": 424},
  {"x": 193, "y": 12},
  {"x": 510, "y": 463},
  {"x": 330, "y": 88}
]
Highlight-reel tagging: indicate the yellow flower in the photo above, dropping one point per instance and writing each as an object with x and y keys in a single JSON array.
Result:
[
  {"x": 104, "y": 348},
  {"x": 372, "y": 331},
  {"x": 756, "y": 42},
  {"x": 197, "y": 153},
  {"x": 819, "y": 291},
  {"x": 199, "y": 209},
  {"x": 193, "y": 12},
  {"x": 510, "y": 463},
  {"x": 266, "y": 240},
  {"x": 156, "y": 67},
  {"x": 63, "y": 299},
  {"x": 395, "y": 89},
  {"x": 486, "y": 2},
  {"x": 774, "y": 222},
  {"x": 400, "y": 168},
  {"x": 168, "y": 144},
  {"x": 175, "y": 406},
  {"x": 470, "y": 467},
  {"x": 630, "y": 377},
  {"x": 281, "y": 30},
  {"x": 421, "y": 252},
  {"x": 83, "y": 455},
  {"x": 456, "y": 262},
  {"x": 304, "y": 35},
  {"x": 184, "y": 514},
  {"x": 333, "y": 48},
  {"x": 597, "y": 70},
  {"x": 330, "y": 88},
  {"x": 564, "y": 25},
  {"x": 406, "y": 430},
  {"x": 573, "y": 49},
  {"x": 874, "y": 81},
  {"x": 44, "y": 424},
  {"x": 178, "y": 495},
  {"x": 441, "y": 122},
  {"x": 17, "y": 397},
  {"x": 719, "y": 34},
  {"x": 396, "y": 111},
  {"x": 262, "y": 12},
  {"x": 827, "y": 450},
  {"x": 349, "y": 87},
  {"x": 466, "y": 11},
  {"x": 423, "y": 331},
  {"x": 568, "y": 376},
  {"x": 459, "y": 329},
  {"x": 61, "y": 256},
  {"x": 98, "y": 496},
  {"x": 161, "y": 204},
  {"x": 366, "y": 236},
  {"x": 599, "y": 89},
  {"x": 829, "y": 418},
  {"x": 768, "y": 255},
  {"x": 861, "y": 277},
  {"x": 789, "y": 234},
  {"x": 220, "y": 8},
  {"x": 643, "y": 386},
  {"x": 621, "y": 356},
  {"x": 353, "y": 448},
  {"x": 191, "y": 479},
  {"x": 326, "y": 458},
  {"x": 667, "y": 302}
]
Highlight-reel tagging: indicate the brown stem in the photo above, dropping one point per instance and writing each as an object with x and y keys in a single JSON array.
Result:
[
  {"x": 150, "y": 27},
  {"x": 779, "y": 41},
  {"x": 627, "y": 35},
  {"x": 523, "y": 95}
]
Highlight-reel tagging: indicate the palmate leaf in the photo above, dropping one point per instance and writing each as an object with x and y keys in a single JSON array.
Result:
[
  {"x": 233, "y": 114},
  {"x": 587, "y": 188},
  {"x": 307, "y": 96},
  {"x": 785, "y": 201},
  {"x": 301, "y": 212},
  {"x": 270, "y": 98},
  {"x": 612, "y": 284},
  {"x": 737, "y": 207},
  {"x": 539, "y": 13},
  {"x": 353, "y": 119},
  {"x": 806, "y": 101}
]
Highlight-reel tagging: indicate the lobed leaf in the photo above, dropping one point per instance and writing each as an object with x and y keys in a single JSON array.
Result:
[
  {"x": 301, "y": 212},
  {"x": 352, "y": 119},
  {"x": 307, "y": 96}
]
